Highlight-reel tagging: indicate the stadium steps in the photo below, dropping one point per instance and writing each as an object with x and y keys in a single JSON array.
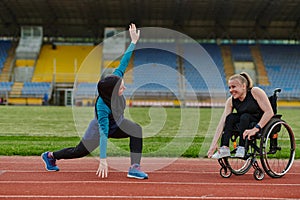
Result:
[
  {"x": 128, "y": 78},
  {"x": 261, "y": 69},
  {"x": 181, "y": 82},
  {"x": 4, "y": 77},
  {"x": 16, "y": 89},
  {"x": 227, "y": 58},
  {"x": 6, "y": 71}
]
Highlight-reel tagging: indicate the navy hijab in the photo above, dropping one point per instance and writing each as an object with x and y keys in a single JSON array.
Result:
[{"x": 108, "y": 89}]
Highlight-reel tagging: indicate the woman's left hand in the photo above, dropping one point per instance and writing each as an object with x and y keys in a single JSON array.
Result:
[
  {"x": 134, "y": 34},
  {"x": 249, "y": 132}
]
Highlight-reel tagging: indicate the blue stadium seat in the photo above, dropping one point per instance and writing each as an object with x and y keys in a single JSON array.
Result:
[
  {"x": 282, "y": 64},
  {"x": 194, "y": 75},
  {"x": 155, "y": 69},
  {"x": 86, "y": 90},
  {"x": 4, "y": 47},
  {"x": 5, "y": 86},
  {"x": 241, "y": 52},
  {"x": 36, "y": 89}
]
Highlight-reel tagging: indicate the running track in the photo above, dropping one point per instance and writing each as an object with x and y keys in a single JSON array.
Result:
[{"x": 26, "y": 178}]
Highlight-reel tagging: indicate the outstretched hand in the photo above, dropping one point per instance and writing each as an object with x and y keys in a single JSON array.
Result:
[
  {"x": 212, "y": 150},
  {"x": 102, "y": 169},
  {"x": 134, "y": 34}
]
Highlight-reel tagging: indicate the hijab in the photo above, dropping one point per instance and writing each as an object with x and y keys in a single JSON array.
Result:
[{"x": 108, "y": 89}]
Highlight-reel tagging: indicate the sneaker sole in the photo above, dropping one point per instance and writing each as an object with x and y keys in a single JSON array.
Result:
[
  {"x": 49, "y": 170},
  {"x": 225, "y": 156},
  {"x": 131, "y": 176},
  {"x": 239, "y": 156}
]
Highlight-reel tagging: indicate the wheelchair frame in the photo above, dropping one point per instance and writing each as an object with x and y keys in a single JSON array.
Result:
[{"x": 239, "y": 166}]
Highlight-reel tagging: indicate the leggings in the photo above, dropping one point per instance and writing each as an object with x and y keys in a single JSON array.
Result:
[
  {"x": 90, "y": 141},
  {"x": 244, "y": 122}
]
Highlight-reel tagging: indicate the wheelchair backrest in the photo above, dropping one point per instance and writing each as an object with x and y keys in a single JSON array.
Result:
[{"x": 273, "y": 100}]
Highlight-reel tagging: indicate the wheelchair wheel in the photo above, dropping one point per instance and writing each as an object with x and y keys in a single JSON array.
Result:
[
  {"x": 258, "y": 174},
  {"x": 225, "y": 172},
  {"x": 277, "y": 148}
]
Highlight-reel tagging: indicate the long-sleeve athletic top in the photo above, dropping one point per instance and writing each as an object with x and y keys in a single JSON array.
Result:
[{"x": 103, "y": 111}]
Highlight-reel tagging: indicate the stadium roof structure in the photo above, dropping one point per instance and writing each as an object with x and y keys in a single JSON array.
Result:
[{"x": 199, "y": 19}]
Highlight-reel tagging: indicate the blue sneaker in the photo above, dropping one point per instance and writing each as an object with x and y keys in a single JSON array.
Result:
[
  {"x": 135, "y": 172},
  {"x": 50, "y": 163}
]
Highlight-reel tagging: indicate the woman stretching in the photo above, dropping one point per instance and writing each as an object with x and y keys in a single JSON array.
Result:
[{"x": 109, "y": 122}]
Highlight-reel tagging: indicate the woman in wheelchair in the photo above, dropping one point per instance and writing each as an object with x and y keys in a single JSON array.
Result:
[{"x": 248, "y": 109}]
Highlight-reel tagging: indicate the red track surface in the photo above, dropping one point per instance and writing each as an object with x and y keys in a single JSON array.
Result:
[{"x": 26, "y": 178}]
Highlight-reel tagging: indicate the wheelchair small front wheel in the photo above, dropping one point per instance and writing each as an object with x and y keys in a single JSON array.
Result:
[
  {"x": 225, "y": 172},
  {"x": 259, "y": 174}
]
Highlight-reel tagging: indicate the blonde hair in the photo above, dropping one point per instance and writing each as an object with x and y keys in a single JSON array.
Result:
[{"x": 244, "y": 78}]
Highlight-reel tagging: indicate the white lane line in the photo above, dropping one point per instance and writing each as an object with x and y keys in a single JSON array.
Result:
[
  {"x": 153, "y": 172},
  {"x": 148, "y": 183},
  {"x": 93, "y": 171},
  {"x": 139, "y": 197}
]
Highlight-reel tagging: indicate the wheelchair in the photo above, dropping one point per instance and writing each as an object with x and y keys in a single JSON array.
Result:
[{"x": 274, "y": 145}]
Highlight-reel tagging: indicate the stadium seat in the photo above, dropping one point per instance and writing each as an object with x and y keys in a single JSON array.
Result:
[
  {"x": 5, "y": 86},
  {"x": 36, "y": 89},
  {"x": 195, "y": 82},
  {"x": 282, "y": 65},
  {"x": 152, "y": 64},
  {"x": 4, "y": 47}
]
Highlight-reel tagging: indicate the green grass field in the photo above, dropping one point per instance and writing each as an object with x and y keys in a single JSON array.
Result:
[{"x": 168, "y": 132}]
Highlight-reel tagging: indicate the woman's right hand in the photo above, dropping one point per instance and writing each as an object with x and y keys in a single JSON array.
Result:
[{"x": 102, "y": 169}]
